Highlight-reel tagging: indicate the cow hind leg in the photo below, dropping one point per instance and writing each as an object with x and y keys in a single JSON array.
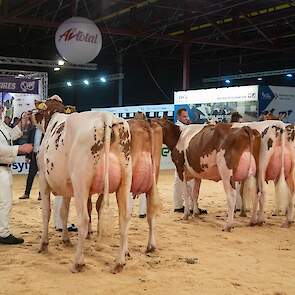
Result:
[
  {"x": 81, "y": 199},
  {"x": 124, "y": 219},
  {"x": 152, "y": 208},
  {"x": 89, "y": 209},
  {"x": 64, "y": 215},
  {"x": 290, "y": 208},
  {"x": 98, "y": 207},
  {"x": 46, "y": 210}
]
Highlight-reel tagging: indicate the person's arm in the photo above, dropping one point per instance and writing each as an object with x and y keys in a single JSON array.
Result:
[{"x": 8, "y": 153}]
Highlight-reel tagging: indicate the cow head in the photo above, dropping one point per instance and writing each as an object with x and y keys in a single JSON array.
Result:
[
  {"x": 171, "y": 132},
  {"x": 45, "y": 110}
]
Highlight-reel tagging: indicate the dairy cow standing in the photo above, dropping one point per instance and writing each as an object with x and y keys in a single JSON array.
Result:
[
  {"x": 277, "y": 147},
  {"x": 217, "y": 152},
  {"x": 82, "y": 154},
  {"x": 146, "y": 146}
]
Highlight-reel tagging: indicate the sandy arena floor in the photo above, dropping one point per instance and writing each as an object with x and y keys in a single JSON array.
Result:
[{"x": 193, "y": 257}]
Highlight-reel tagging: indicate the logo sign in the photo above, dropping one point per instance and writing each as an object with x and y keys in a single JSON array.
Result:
[
  {"x": 78, "y": 40},
  {"x": 15, "y": 85}
]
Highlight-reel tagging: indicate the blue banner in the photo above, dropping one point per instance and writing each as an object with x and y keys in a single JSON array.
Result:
[{"x": 18, "y": 85}]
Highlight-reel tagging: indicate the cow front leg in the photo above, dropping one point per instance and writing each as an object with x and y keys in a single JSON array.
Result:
[
  {"x": 81, "y": 199},
  {"x": 124, "y": 220},
  {"x": 46, "y": 210},
  {"x": 65, "y": 215},
  {"x": 195, "y": 197}
]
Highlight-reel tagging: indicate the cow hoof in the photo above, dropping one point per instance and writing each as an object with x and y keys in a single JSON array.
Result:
[
  {"x": 243, "y": 214},
  {"x": 203, "y": 211},
  {"x": 77, "y": 267},
  {"x": 127, "y": 255},
  {"x": 260, "y": 223},
  {"x": 118, "y": 268},
  {"x": 150, "y": 249},
  {"x": 185, "y": 217},
  {"x": 286, "y": 224},
  {"x": 253, "y": 223},
  {"x": 43, "y": 248},
  {"x": 67, "y": 243},
  {"x": 228, "y": 228}
]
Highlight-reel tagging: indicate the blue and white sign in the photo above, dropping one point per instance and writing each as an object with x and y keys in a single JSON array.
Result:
[{"x": 20, "y": 166}]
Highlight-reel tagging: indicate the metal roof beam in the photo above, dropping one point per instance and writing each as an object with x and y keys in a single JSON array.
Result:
[{"x": 43, "y": 63}]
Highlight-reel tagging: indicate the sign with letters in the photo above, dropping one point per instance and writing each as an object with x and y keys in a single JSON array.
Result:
[{"x": 18, "y": 85}]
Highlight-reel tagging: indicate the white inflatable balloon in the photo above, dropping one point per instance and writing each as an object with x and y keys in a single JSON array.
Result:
[{"x": 78, "y": 40}]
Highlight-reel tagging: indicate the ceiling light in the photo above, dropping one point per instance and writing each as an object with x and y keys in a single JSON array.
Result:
[
  {"x": 227, "y": 81},
  {"x": 103, "y": 79},
  {"x": 61, "y": 62},
  {"x": 86, "y": 82},
  {"x": 69, "y": 83},
  {"x": 289, "y": 75},
  {"x": 56, "y": 69},
  {"x": 259, "y": 79}
]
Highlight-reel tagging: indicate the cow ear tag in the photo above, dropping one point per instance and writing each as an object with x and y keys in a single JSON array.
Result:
[{"x": 42, "y": 106}]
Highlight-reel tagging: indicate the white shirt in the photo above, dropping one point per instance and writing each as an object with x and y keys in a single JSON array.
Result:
[
  {"x": 37, "y": 140},
  {"x": 8, "y": 152}
]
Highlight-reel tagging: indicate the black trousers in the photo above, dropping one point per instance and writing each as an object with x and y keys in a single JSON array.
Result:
[{"x": 32, "y": 173}]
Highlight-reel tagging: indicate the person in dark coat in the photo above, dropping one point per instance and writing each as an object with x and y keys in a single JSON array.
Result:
[{"x": 34, "y": 137}]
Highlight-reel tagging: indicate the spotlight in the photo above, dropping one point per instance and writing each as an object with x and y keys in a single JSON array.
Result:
[
  {"x": 56, "y": 69},
  {"x": 103, "y": 79},
  {"x": 259, "y": 79},
  {"x": 289, "y": 75},
  {"x": 20, "y": 75},
  {"x": 69, "y": 83},
  {"x": 60, "y": 62},
  {"x": 227, "y": 81},
  {"x": 86, "y": 82}
]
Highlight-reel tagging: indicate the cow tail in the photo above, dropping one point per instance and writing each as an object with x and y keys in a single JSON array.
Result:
[
  {"x": 281, "y": 188},
  {"x": 250, "y": 184},
  {"x": 105, "y": 205}
]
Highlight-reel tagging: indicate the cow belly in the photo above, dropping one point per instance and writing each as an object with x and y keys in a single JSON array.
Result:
[
  {"x": 142, "y": 174},
  {"x": 246, "y": 167},
  {"x": 114, "y": 175},
  {"x": 275, "y": 164}
]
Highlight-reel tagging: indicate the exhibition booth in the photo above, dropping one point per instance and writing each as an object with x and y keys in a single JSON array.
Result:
[
  {"x": 249, "y": 101},
  {"x": 17, "y": 95}
]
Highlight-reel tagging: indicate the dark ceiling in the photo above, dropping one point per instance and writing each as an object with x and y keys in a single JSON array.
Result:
[
  {"x": 156, "y": 28},
  {"x": 224, "y": 36}
]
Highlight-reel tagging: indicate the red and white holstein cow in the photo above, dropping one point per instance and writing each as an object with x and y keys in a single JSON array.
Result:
[
  {"x": 83, "y": 154},
  {"x": 277, "y": 147},
  {"x": 217, "y": 152},
  {"x": 146, "y": 146}
]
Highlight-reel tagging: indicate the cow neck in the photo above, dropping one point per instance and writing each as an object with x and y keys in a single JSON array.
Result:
[
  {"x": 171, "y": 134},
  {"x": 51, "y": 117}
]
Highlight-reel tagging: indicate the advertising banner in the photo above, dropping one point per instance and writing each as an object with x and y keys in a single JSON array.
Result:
[
  {"x": 20, "y": 166},
  {"x": 218, "y": 103},
  {"x": 279, "y": 100},
  {"x": 18, "y": 85}
]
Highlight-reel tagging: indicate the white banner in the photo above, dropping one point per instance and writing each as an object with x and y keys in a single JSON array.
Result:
[
  {"x": 166, "y": 162},
  {"x": 133, "y": 109},
  {"x": 213, "y": 95}
]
